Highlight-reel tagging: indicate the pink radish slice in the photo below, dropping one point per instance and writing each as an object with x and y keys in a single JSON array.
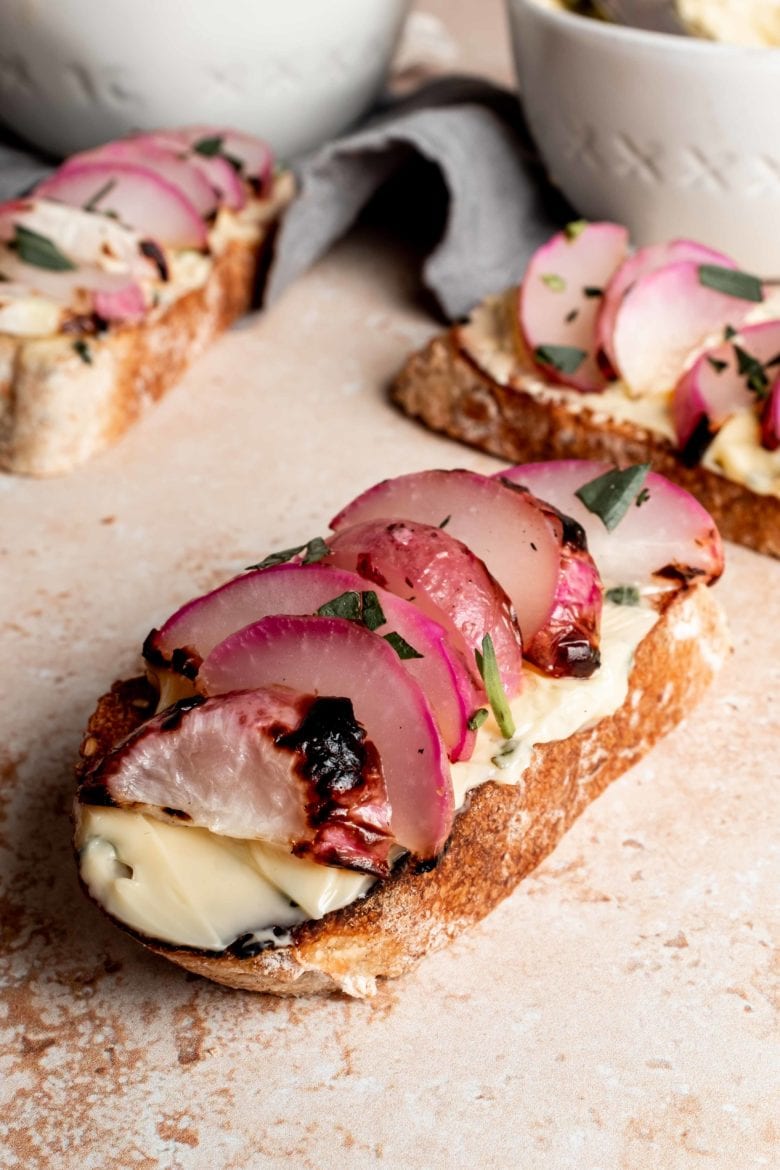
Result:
[
  {"x": 139, "y": 197},
  {"x": 770, "y": 419},
  {"x": 663, "y": 317},
  {"x": 714, "y": 388},
  {"x": 502, "y": 527},
  {"x": 253, "y": 154},
  {"x": 113, "y": 296},
  {"x": 334, "y": 657},
  {"x": 268, "y": 764},
  {"x": 200, "y": 625},
  {"x": 560, "y": 298},
  {"x": 218, "y": 172},
  {"x": 646, "y": 260},
  {"x": 567, "y": 645},
  {"x": 176, "y": 171},
  {"x": 83, "y": 237},
  {"x": 670, "y": 535},
  {"x": 444, "y": 579}
]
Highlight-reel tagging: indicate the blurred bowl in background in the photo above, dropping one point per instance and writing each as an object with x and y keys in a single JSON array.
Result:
[
  {"x": 296, "y": 72},
  {"x": 672, "y": 136}
]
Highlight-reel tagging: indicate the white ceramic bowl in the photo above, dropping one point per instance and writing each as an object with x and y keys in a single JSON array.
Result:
[
  {"x": 673, "y": 136},
  {"x": 74, "y": 73}
]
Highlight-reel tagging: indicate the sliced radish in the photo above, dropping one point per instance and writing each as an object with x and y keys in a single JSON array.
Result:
[
  {"x": 646, "y": 260},
  {"x": 139, "y": 197},
  {"x": 567, "y": 645},
  {"x": 665, "y": 316},
  {"x": 199, "y": 626},
  {"x": 444, "y": 579},
  {"x": 724, "y": 379},
  {"x": 252, "y": 154},
  {"x": 175, "y": 170},
  {"x": 112, "y": 295},
  {"x": 333, "y": 657},
  {"x": 560, "y": 298},
  {"x": 269, "y": 764},
  {"x": 84, "y": 238},
  {"x": 502, "y": 527},
  {"x": 770, "y": 418},
  {"x": 669, "y": 535}
]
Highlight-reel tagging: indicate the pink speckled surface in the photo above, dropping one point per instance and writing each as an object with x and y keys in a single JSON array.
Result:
[{"x": 617, "y": 1013}]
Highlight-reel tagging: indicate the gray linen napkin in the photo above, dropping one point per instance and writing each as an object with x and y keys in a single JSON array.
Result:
[{"x": 471, "y": 134}]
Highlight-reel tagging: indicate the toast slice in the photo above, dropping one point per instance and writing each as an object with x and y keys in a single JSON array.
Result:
[
  {"x": 447, "y": 386},
  {"x": 500, "y": 835},
  {"x": 67, "y": 396}
]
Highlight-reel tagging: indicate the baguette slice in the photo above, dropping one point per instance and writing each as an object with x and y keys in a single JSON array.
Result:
[
  {"x": 447, "y": 389},
  {"x": 501, "y": 835},
  {"x": 60, "y": 406}
]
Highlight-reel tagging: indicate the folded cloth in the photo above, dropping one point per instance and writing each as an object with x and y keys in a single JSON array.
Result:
[{"x": 499, "y": 205}]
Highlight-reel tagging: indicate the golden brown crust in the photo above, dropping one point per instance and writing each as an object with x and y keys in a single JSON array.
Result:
[
  {"x": 444, "y": 388},
  {"x": 56, "y": 410},
  {"x": 502, "y": 834}
]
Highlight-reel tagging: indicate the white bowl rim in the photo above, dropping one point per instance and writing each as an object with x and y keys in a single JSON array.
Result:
[{"x": 668, "y": 42}]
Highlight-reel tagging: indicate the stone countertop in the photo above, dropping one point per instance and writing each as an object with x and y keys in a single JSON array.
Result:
[{"x": 615, "y": 1013}]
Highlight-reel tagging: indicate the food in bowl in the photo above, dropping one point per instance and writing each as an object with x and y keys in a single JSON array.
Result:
[
  {"x": 736, "y": 22},
  {"x": 669, "y": 354}
]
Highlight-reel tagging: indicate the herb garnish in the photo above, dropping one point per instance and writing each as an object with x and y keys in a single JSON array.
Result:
[
  {"x": 566, "y": 358},
  {"x": 39, "y": 250},
  {"x": 83, "y": 350},
  {"x": 752, "y": 370},
  {"x": 731, "y": 282},
  {"x": 717, "y": 365},
  {"x": 401, "y": 646},
  {"x": 365, "y": 609},
  {"x": 642, "y": 498},
  {"x": 487, "y": 664},
  {"x": 610, "y": 495},
  {"x": 572, "y": 315},
  {"x": 346, "y": 605},
  {"x": 623, "y": 595},
  {"x": 554, "y": 282},
  {"x": 92, "y": 202},
  {"x": 477, "y": 718},
  {"x": 209, "y": 147},
  {"x": 729, "y": 332},
  {"x": 575, "y": 229},
  {"x": 445, "y": 521},
  {"x": 315, "y": 550},
  {"x": 591, "y": 290}
]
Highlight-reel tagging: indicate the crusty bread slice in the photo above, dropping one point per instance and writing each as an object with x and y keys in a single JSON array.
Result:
[
  {"x": 443, "y": 387},
  {"x": 62, "y": 400},
  {"x": 499, "y": 837}
]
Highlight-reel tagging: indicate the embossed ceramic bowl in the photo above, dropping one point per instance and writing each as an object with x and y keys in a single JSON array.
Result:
[
  {"x": 673, "y": 136},
  {"x": 74, "y": 73}
]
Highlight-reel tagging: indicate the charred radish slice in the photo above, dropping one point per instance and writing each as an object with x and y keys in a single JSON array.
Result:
[
  {"x": 330, "y": 657},
  {"x": 444, "y": 580},
  {"x": 730, "y": 377},
  {"x": 668, "y": 313},
  {"x": 502, "y": 527},
  {"x": 177, "y": 171},
  {"x": 646, "y": 260},
  {"x": 560, "y": 298},
  {"x": 267, "y": 764},
  {"x": 567, "y": 645},
  {"x": 134, "y": 194},
  {"x": 192, "y": 632},
  {"x": 663, "y": 533}
]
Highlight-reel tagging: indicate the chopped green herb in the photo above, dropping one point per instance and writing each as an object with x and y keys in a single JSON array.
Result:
[
  {"x": 373, "y": 615},
  {"x": 346, "y": 605},
  {"x": 731, "y": 282},
  {"x": 401, "y": 646},
  {"x": 477, "y": 719},
  {"x": 775, "y": 361},
  {"x": 752, "y": 370},
  {"x": 717, "y": 365},
  {"x": 575, "y": 229},
  {"x": 643, "y": 497},
  {"x": 610, "y": 495},
  {"x": 83, "y": 350},
  {"x": 209, "y": 147},
  {"x": 39, "y": 250},
  {"x": 591, "y": 290},
  {"x": 729, "y": 333},
  {"x": 566, "y": 358},
  {"x": 572, "y": 315},
  {"x": 92, "y": 202},
  {"x": 445, "y": 522},
  {"x": 487, "y": 665},
  {"x": 554, "y": 282},
  {"x": 623, "y": 595},
  {"x": 315, "y": 550}
]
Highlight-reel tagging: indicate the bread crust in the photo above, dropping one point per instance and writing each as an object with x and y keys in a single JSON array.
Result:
[
  {"x": 502, "y": 833},
  {"x": 57, "y": 410},
  {"x": 443, "y": 387}
]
